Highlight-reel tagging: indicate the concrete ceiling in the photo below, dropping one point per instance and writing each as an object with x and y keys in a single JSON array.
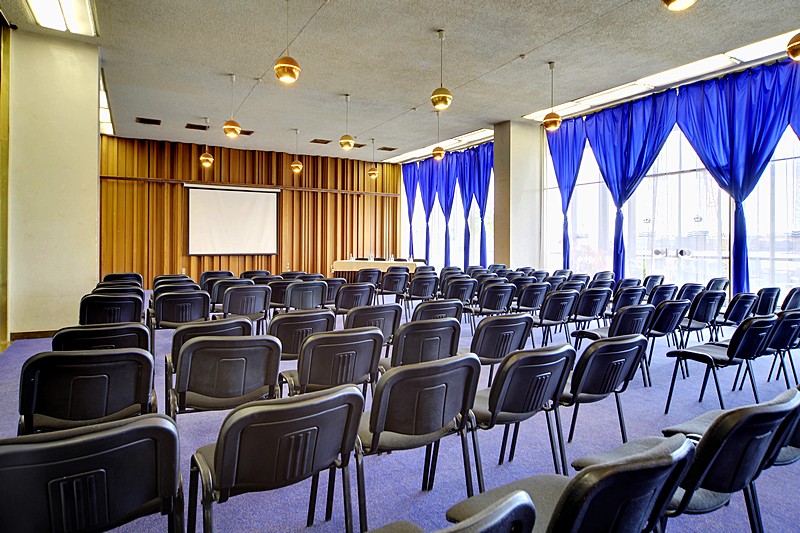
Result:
[{"x": 171, "y": 60}]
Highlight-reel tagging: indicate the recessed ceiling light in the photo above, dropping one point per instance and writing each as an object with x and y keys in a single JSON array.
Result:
[
  {"x": 671, "y": 77},
  {"x": 614, "y": 94},
  {"x": 768, "y": 47},
  {"x": 567, "y": 108},
  {"x": 74, "y": 16}
]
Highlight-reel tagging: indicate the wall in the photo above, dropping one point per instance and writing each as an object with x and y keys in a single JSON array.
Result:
[
  {"x": 331, "y": 209},
  {"x": 53, "y": 190}
]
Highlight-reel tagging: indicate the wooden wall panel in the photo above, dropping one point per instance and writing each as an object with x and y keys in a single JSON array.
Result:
[{"x": 330, "y": 210}]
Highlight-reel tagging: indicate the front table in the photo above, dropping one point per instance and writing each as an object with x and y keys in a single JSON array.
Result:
[{"x": 349, "y": 269}]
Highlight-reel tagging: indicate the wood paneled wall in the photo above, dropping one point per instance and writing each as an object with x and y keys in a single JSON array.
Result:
[{"x": 328, "y": 211}]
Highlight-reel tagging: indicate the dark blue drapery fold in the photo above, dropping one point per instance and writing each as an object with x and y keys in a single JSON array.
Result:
[
  {"x": 734, "y": 124},
  {"x": 447, "y": 174},
  {"x": 481, "y": 178},
  {"x": 427, "y": 191},
  {"x": 626, "y": 140},
  {"x": 566, "y": 146},
  {"x": 467, "y": 163},
  {"x": 410, "y": 184},
  {"x": 794, "y": 118}
]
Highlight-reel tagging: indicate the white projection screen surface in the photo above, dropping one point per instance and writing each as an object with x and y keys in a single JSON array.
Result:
[{"x": 232, "y": 222}]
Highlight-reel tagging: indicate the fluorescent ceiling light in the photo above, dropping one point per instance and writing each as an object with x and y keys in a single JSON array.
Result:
[
  {"x": 671, "y": 77},
  {"x": 567, "y": 108},
  {"x": 456, "y": 143},
  {"x": 614, "y": 94},
  {"x": 761, "y": 49},
  {"x": 74, "y": 16}
]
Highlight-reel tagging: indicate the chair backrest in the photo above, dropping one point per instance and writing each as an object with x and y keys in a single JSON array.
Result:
[
  {"x": 352, "y": 295},
  {"x": 565, "y": 272},
  {"x": 732, "y": 450},
  {"x": 452, "y": 308},
  {"x": 246, "y": 300},
  {"x": 164, "y": 277},
  {"x": 68, "y": 477},
  {"x": 219, "y": 287},
  {"x": 118, "y": 284},
  {"x": 250, "y": 274},
  {"x": 558, "y": 305},
  {"x": 339, "y": 357},
  {"x": 502, "y": 272},
  {"x": 306, "y": 295},
  {"x": 668, "y": 316},
  {"x": 278, "y": 288},
  {"x": 602, "y": 284},
  {"x": 521, "y": 281},
  {"x": 462, "y": 290},
  {"x": 423, "y": 285},
  {"x": 110, "y": 308},
  {"x": 718, "y": 284},
  {"x": 526, "y": 270},
  {"x": 624, "y": 496},
  {"x": 214, "y": 373},
  {"x": 293, "y": 328},
  {"x": 496, "y": 297},
  {"x": 604, "y": 274},
  {"x": 627, "y": 296},
  {"x": 235, "y": 327},
  {"x": 651, "y": 282},
  {"x": 138, "y": 291},
  {"x": 751, "y": 337},
  {"x": 513, "y": 274},
  {"x": 514, "y": 512},
  {"x": 570, "y": 285},
  {"x": 385, "y": 317},
  {"x": 585, "y": 278},
  {"x": 181, "y": 307},
  {"x": 424, "y": 268},
  {"x": 705, "y": 306},
  {"x": 767, "y": 300},
  {"x": 60, "y": 390},
  {"x": 741, "y": 307},
  {"x": 368, "y": 275},
  {"x": 786, "y": 330},
  {"x": 497, "y": 336},
  {"x": 209, "y": 282},
  {"x": 333, "y": 287},
  {"x": 631, "y": 320},
  {"x": 293, "y": 274},
  {"x": 792, "y": 300},
  {"x": 310, "y": 277},
  {"x": 425, "y": 340},
  {"x": 592, "y": 302},
  {"x": 477, "y": 271},
  {"x": 483, "y": 277},
  {"x": 530, "y": 380},
  {"x": 662, "y": 293},
  {"x": 607, "y": 365},
  {"x": 688, "y": 291},
  {"x": 102, "y": 337},
  {"x": 187, "y": 286},
  {"x": 214, "y": 274},
  {"x": 495, "y": 267},
  {"x": 265, "y": 279},
  {"x": 395, "y": 282},
  {"x": 125, "y": 276},
  {"x": 301, "y": 435},
  {"x": 555, "y": 281},
  {"x": 424, "y": 398},
  {"x": 398, "y": 268}
]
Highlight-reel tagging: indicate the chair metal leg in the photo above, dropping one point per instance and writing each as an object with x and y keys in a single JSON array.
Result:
[
  {"x": 331, "y": 485},
  {"x": 362, "y": 494},
  {"x": 752, "y": 379},
  {"x": 191, "y": 524},
  {"x": 621, "y": 418},
  {"x": 560, "y": 438},
  {"x": 705, "y": 382},
  {"x": 572, "y": 425},
  {"x": 552, "y": 442},
  {"x": 476, "y": 449},
  {"x": 348, "y": 504},
  {"x": 312, "y": 500},
  {"x": 783, "y": 369},
  {"x": 672, "y": 384},
  {"x": 506, "y": 429},
  {"x": 513, "y": 442},
  {"x": 426, "y": 469},
  {"x": 434, "y": 460},
  {"x": 753, "y": 508},
  {"x": 467, "y": 469},
  {"x": 736, "y": 379},
  {"x": 772, "y": 367},
  {"x": 716, "y": 382},
  {"x": 491, "y": 374}
]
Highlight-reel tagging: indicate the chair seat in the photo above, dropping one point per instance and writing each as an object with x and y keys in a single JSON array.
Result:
[
  {"x": 396, "y": 441},
  {"x": 385, "y": 363},
  {"x": 787, "y": 455},
  {"x": 567, "y": 398},
  {"x": 547, "y": 322},
  {"x": 618, "y": 453},
  {"x": 695, "y": 426},
  {"x": 688, "y": 324},
  {"x": 545, "y": 490},
  {"x": 210, "y": 403},
  {"x": 591, "y": 334},
  {"x": 401, "y": 526},
  {"x": 480, "y": 409},
  {"x": 583, "y": 318},
  {"x": 164, "y": 324},
  {"x": 292, "y": 379},
  {"x": 47, "y": 423},
  {"x": 705, "y": 352},
  {"x": 703, "y": 501}
]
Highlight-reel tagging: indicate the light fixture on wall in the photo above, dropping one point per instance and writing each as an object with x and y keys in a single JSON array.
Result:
[
  {"x": 552, "y": 120},
  {"x": 346, "y": 141},
  {"x": 297, "y": 165},
  {"x": 64, "y": 15},
  {"x": 232, "y": 128},
  {"x": 438, "y": 151},
  {"x": 441, "y": 97},
  {"x": 373, "y": 170},
  {"x": 678, "y": 5},
  {"x": 206, "y": 159},
  {"x": 286, "y": 68},
  {"x": 793, "y": 48}
]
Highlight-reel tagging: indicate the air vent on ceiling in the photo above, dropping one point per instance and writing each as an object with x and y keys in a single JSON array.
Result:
[
  {"x": 201, "y": 127},
  {"x": 148, "y": 121},
  {"x": 246, "y": 132},
  {"x": 320, "y": 141},
  {"x": 359, "y": 145},
  {"x": 387, "y": 149}
]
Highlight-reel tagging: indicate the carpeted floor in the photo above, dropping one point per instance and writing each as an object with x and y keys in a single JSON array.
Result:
[{"x": 393, "y": 481}]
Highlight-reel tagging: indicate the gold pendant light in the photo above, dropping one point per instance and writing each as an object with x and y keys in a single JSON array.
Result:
[
  {"x": 552, "y": 120},
  {"x": 793, "y": 48},
  {"x": 441, "y": 97},
  {"x": 297, "y": 165},
  {"x": 206, "y": 159},
  {"x": 438, "y": 152},
  {"x": 286, "y": 68},
  {"x": 373, "y": 170},
  {"x": 232, "y": 128},
  {"x": 678, "y": 5},
  {"x": 346, "y": 141}
]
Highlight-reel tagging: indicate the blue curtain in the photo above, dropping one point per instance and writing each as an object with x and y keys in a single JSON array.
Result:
[
  {"x": 427, "y": 190},
  {"x": 410, "y": 183},
  {"x": 566, "y": 149},
  {"x": 794, "y": 119},
  {"x": 448, "y": 171},
  {"x": 734, "y": 124},
  {"x": 626, "y": 140},
  {"x": 480, "y": 181},
  {"x": 467, "y": 163}
]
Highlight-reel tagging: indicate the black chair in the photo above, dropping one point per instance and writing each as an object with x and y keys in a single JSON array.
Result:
[
  {"x": 555, "y": 281},
  {"x": 564, "y": 272},
  {"x": 171, "y": 309},
  {"x": 102, "y": 337},
  {"x": 502, "y": 272},
  {"x": 393, "y": 283},
  {"x": 604, "y": 275},
  {"x": 398, "y": 268},
  {"x": 63, "y": 390},
  {"x": 705, "y": 307},
  {"x": 497, "y": 336},
  {"x": 555, "y": 312},
  {"x": 293, "y": 328},
  {"x": 415, "y": 406},
  {"x": 217, "y": 289},
  {"x": 421, "y": 288},
  {"x": 792, "y": 300},
  {"x": 729, "y": 456},
  {"x": 626, "y": 496},
  {"x": 251, "y": 301},
  {"x": 662, "y": 293},
  {"x": 666, "y": 319},
  {"x": 741, "y": 307},
  {"x": 651, "y": 282},
  {"x": 265, "y": 280},
  {"x": 526, "y": 270},
  {"x": 250, "y": 274},
  {"x": 530, "y": 297},
  {"x": 368, "y": 275},
  {"x": 472, "y": 268},
  {"x": 786, "y": 450},
  {"x": 630, "y": 320},
  {"x": 162, "y": 277},
  {"x": 120, "y": 290},
  {"x": 352, "y": 295},
  {"x": 463, "y": 290},
  {"x": 718, "y": 284},
  {"x": 214, "y": 274},
  {"x": 220, "y": 373},
  {"x": 385, "y": 317},
  {"x": 585, "y": 278},
  {"x": 767, "y": 301},
  {"x": 333, "y": 287},
  {"x": 602, "y": 284},
  {"x": 187, "y": 286},
  {"x": 125, "y": 276},
  {"x": 627, "y": 283},
  {"x": 494, "y": 299},
  {"x": 783, "y": 339},
  {"x": 688, "y": 291},
  {"x": 302, "y": 436},
  {"x": 93, "y": 478},
  {"x": 305, "y": 295},
  {"x": 522, "y": 281},
  {"x": 110, "y": 308},
  {"x": 293, "y": 274},
  {"x": 748, "y": 342},
  {"x": 336, "y": 358},
  {"x": 496, "y": 266},
  {"x": 452, "y": 308},
  {"x": 605, "y": 367},
  {"x": 625, "y": 297},
  {"x": 572, "y": 286},
  {"x": 528, "y": 381},
  {"x": 278, "y": 287},
  {"x": 512, "y": 275},
  {"x": 311, "y": 277},
  {"x": 423, "y": 340},
  {"x": 591, "y": 305}
]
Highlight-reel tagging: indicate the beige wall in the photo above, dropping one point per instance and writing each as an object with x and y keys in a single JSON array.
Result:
[{"x": 53, "y": 180}]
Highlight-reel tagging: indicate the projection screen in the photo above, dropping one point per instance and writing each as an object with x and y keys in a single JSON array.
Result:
[{"x": 232, "y": 221}]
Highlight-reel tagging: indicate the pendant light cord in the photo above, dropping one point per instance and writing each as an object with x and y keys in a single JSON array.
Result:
[
  {"x": 438, "y": 135},
  {"x": 287, "y": 27},
  {"x": 347, "y": 114},
  {"x": 233, "y": 80},
  {"x": 552, "y": 85},
  {"x": 441, "y": 58},
  {"x": 296, "y": 136}
]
